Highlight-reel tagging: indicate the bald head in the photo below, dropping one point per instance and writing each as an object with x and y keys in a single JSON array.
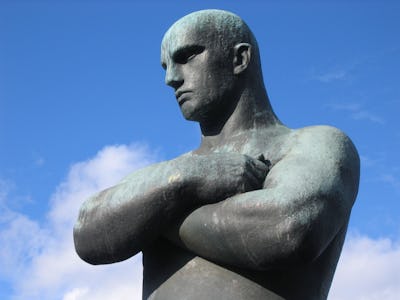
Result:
[{"x": 221, "y": 28}]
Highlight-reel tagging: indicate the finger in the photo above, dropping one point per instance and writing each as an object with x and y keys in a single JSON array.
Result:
[
  {"x": 261, "y": 157},
  {"x": 252, "y": 182},
  {"x": 259, "y": 169}
]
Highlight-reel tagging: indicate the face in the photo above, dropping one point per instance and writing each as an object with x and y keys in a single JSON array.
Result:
[{"x": 201, "y": 75}]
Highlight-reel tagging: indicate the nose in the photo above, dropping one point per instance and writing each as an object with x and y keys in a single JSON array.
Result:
[{"x": 173, "y": 77}]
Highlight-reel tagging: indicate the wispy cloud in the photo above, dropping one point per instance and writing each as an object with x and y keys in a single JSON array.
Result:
[
  {"x": 340, "y": 72},
  {"x": 39, "y": 259},
  {"x": 382, "y": 171},
  {"x": 357, "y": 112},
  {"x": 5, "y": 187},
  {"x": 39, "y": 162},
  {"x": 331, "y": 76},
  {"x": 350, "y": 70},
  {"x": 369, "y": 162},
  {"x": 366, "y": 115},
  {"x": 391, "y": 180}
]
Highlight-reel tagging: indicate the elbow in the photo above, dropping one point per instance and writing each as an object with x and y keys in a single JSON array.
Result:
[
  {"x": 305, "y": 251},
  {"x": 302, "y": 245},
  {"x": 93, "y": 246},
  {"x": 290, "y": 247},
  {"x": 81, "y": 248},
  {"x": 89, "y": 247},
  {"x": 84, "y": 247},
  {"x": 89, "y": 237}
]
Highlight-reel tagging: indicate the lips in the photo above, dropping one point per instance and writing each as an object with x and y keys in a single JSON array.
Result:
[{"x": 182, "y": 96}]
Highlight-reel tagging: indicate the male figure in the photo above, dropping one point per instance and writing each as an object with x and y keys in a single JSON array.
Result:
[{"x": 258, "y": 211}]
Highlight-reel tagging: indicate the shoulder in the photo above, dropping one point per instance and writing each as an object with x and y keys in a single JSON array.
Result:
[
  {"x": 321, "y": 158},
  {"x": 322, "y": 133},
  {"x": 323, "y": 142}
]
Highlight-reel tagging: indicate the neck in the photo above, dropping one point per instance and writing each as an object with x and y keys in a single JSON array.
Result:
[{"x": 250, "y": 110}]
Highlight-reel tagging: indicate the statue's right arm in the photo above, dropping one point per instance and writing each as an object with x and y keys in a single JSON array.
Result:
[
  {"x": 120, "y": 221},
  {"x": 117, "y": 222}
]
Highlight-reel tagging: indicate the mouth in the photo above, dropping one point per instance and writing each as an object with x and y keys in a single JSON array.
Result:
[{"x": 182, "y": 96}]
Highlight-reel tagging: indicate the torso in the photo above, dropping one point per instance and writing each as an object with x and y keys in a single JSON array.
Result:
[{"x": 179, "y": 274}]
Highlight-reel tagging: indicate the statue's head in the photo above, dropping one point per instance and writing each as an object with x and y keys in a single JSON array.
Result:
[{"x": 209, "y": 56}]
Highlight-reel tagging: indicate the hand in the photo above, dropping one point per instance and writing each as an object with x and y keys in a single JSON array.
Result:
[{"x": 215, "y": 177}]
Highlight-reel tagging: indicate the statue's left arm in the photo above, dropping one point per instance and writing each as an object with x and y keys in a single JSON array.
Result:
[{"x": 306, "y": 200}]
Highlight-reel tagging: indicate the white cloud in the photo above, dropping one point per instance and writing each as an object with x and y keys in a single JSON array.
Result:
[
  {"x": 20, "y": 240},
  {"x": 39, "y": 260},
  {"x": 76, "y": 294},
  {"x": 88, "y": 177},
  {"x": 368, "y": 270}
]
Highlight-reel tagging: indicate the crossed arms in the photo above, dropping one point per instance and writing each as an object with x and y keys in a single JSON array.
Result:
[{"x": 247, "y": 217}]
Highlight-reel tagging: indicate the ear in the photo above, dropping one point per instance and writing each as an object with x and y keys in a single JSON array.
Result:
[{"x": 241, "y": 57}]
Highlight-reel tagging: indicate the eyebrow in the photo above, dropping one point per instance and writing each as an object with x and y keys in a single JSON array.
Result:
[
  {"x": 187, "y": 50},
  {"x": 183, "y": 52}
]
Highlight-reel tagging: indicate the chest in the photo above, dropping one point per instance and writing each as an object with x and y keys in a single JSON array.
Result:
[{"x": 272, "y": 147}]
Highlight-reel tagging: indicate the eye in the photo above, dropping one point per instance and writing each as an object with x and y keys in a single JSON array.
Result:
[
  {"x": 182, "y": 56},
  {"x": 191, "y": 57}
]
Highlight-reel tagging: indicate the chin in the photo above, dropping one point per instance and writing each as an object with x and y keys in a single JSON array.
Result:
[
  {"x": 193, "y": 112},
  {"x": 190, "y": 117},
  {"x": 189, "y": 113}
]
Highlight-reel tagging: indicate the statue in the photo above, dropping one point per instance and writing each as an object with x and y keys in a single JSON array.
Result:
[{"x": 258, "y": 211}]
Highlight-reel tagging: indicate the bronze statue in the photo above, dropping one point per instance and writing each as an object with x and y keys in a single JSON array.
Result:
[{"x": 258, "y": 211}]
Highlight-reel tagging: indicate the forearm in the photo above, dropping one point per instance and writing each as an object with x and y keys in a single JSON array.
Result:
[
  {"x": 257, "y": 231},
  {"x": 118, "y": 222},
  {"x": 227, "y": 232}
]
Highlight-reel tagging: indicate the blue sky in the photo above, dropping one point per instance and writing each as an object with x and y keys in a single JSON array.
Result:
[{"x": 83, "y": 102}]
